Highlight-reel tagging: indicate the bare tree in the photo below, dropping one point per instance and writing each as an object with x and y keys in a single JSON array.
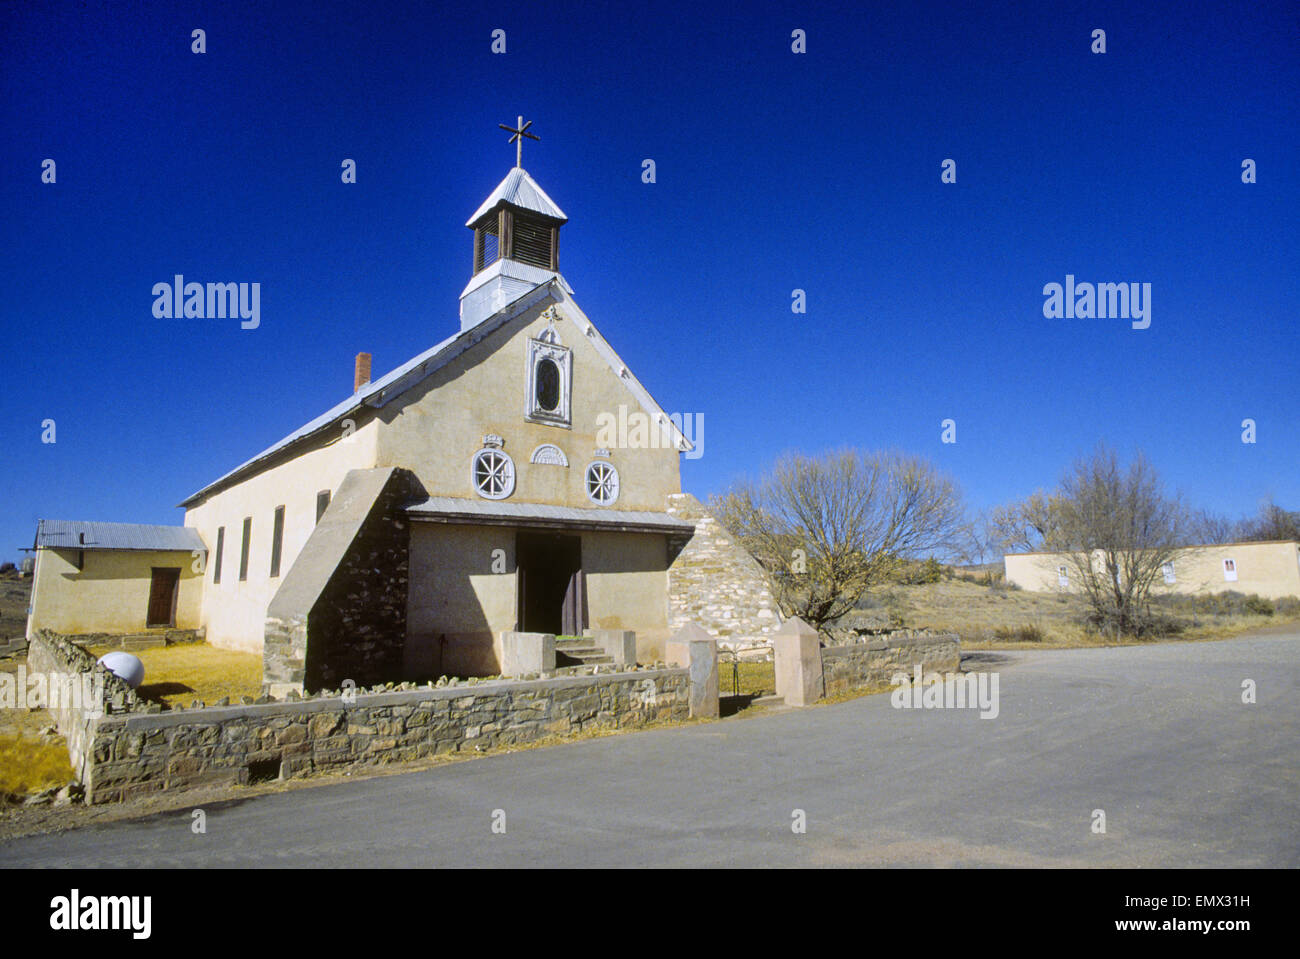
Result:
[
  {"x": 1272, "y": 523},
  {"x": 1026, "y": 526},
  {"x": 827, "y": 527},
  {"x": 1210, "y": 528},
  {"x": 1118, "y": 529}
]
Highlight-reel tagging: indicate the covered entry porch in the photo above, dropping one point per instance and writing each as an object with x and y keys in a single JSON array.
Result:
[{"x": 482, "y": 568}]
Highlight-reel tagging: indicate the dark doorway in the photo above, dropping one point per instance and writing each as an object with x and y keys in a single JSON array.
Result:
[
  {"x": 162, "y": 596},
  {"x": 552, "y": 587}
]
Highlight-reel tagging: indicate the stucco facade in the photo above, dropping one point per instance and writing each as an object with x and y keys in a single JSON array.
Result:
[
  {"x": 1270, "y": 570},
  {"x": 110, "y": 591},
  {"x": 234, "y": 610},
  {"x": 515, "y": 477}
]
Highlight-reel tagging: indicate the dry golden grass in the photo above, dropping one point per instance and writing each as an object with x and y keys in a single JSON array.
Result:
[
  {"x": 178, "y": 675},
  {"x": 756, "y": 679},
  {"x": 1003, "y": 618},
  {"x": 30, "y": 764}
]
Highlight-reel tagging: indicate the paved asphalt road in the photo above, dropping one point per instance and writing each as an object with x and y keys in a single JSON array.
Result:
[{"x": 1156, "y": 736}]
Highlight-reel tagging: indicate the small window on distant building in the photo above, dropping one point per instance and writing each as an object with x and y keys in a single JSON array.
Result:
[
  {"x": 277, "y": 541},
  {"x": 221, "y": 549},
  {"x": 1062, "y": 576},
  {"x": 322, "y": 503},
  {"x": 1229, "y": 570},
  {"x": 1168, "y": 570},
  {"x": 243, "y": 550}
]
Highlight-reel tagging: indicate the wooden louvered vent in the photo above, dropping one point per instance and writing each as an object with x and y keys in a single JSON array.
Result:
[
  {"x": 533, "y": 242},
  {"x": 487, "y": 243}
]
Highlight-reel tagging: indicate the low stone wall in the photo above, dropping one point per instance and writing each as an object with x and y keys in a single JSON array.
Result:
[
  {"x": 130, "y": 641},
  {"x": 136, "y": 755},
  {"x": 875, "y": 660},
  {"x": 76, "y": 719},
  {"x": 13, "y": 646}
]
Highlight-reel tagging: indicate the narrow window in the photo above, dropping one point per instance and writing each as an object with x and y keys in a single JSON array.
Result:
[
  {"x": 277, "y": 540},
  {"x": 1230, "y": 570},
  {"x": 322, "y": 503},
  {"x": 243, "y": 551},
  {"x": 1062, "y": 576},
  {"x": 1168, "y": 570},
  {"x": 221, "y": 549}
]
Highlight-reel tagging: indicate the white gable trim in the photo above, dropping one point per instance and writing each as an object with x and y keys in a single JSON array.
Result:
[
  {"x": 620, "y": 369},
  {"x": 383, "y": 391}
]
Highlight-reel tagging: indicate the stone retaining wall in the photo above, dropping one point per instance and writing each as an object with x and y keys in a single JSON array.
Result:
[
  {"x": 136, "y": 755},
  {"x": 48, "y": 654},
  {"x": 130, "y": 641},
  {"x": 874, "y": 661}
]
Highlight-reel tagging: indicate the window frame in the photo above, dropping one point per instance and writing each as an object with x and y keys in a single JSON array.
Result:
[
  {"x": 245, "y": 548},
  {"x": 562, "y": 357},
  {"x": 277, "y": 541},
  {"x": 618, "y": 482},
  {"x": 474, "y": 477},
  {"x": 217, "y": 556}
]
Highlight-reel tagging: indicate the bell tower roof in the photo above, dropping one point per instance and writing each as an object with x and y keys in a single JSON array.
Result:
[
  {"x": 516, "y": 239},
  {"x": 521, "y": 191}
]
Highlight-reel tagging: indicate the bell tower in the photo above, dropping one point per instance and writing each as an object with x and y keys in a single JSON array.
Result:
[{"x": 516, "y": 240}]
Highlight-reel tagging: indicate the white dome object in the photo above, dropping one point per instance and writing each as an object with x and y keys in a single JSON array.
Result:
[{"x": 125, "y": 667}]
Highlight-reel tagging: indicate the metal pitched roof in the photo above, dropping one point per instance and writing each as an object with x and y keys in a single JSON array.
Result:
[
  {"x": 521, "y": 190},
  {"x": 71, "y": 534},
  {"x": 378, "y": 392},
  {"x": 450, "y": 509},
  {"x": 387, "y": 388}
]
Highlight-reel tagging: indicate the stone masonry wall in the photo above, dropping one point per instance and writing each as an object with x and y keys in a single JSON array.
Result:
[
  {"x": 51, "y": 654},
  {"x": 714, "y": 583},
  {"x": 136, "y": 755},
  {"x": 357, "y": 630},
  {"x": 340, "y": 612},
  {"x": 874, "y": 661}
]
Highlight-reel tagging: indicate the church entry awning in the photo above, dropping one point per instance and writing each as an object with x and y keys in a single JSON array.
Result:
[{"x": 450, "y": 509}]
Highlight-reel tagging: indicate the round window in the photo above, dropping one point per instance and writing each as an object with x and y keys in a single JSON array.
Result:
[
  {"x": 602, "y": 483},
  {"x": 494, "y": 474}
]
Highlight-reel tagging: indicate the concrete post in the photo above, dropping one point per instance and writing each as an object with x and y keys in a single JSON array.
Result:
[
  {"x": 523, "y": 653},
  {"x": 695, "y": 649},
  {"x": 799, "y": 679},
  {"x": 619, "y": 644}
]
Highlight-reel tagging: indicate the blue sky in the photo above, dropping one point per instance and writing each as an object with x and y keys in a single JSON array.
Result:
[{"x": 775, "y": 171}]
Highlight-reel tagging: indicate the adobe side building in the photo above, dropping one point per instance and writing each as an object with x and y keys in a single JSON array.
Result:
[
  {"x": 463, "y": 495},
  {"x": 1268, "y": 569}
]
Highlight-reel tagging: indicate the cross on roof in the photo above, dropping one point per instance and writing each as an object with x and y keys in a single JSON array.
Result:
[{"x": 520, "y": 132}]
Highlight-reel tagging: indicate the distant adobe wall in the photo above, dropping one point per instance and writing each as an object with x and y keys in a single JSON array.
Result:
[
  {"x": 714, "y": 583},
  {"x": 1267, "y": 569}
]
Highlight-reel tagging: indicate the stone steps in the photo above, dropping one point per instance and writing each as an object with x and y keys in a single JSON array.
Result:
[{"x": 582, "y": 652}]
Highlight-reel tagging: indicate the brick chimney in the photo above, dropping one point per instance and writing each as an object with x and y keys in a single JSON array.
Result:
[{"x": 362, "y": 374}]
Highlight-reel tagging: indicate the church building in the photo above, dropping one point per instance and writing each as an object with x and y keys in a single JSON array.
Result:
[{"x": 460, "y": 496}]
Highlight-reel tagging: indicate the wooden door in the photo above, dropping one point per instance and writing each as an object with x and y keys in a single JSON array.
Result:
[{"x": 162, "y": 596}]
